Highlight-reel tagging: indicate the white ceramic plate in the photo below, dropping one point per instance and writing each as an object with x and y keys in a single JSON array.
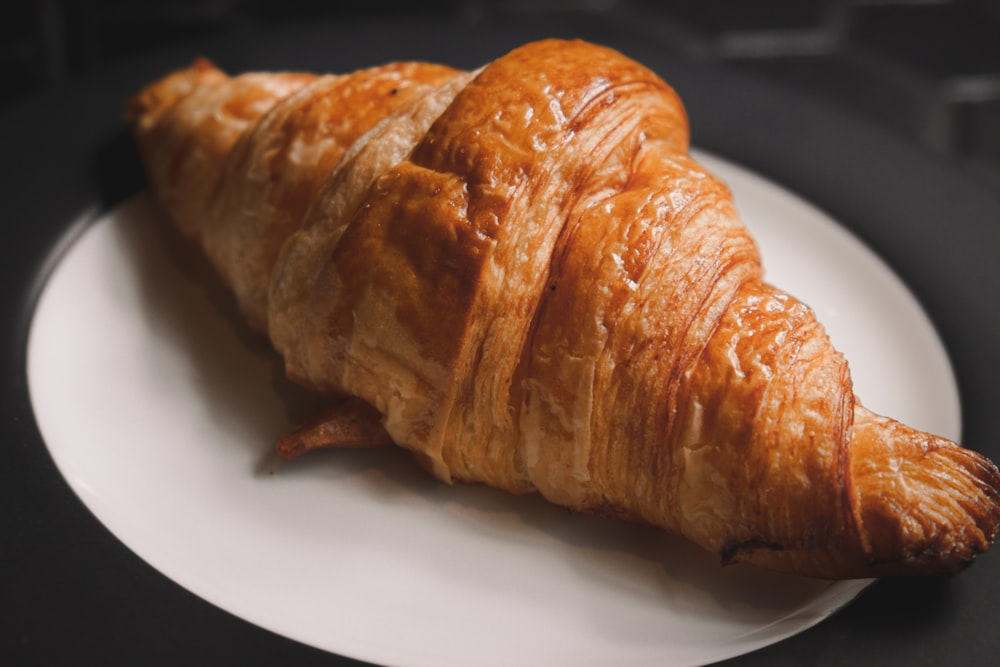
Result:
[{"x": 161, "y": 409}]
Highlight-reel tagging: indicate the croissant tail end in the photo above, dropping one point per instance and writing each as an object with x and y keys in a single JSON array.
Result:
[
  {"x": 924, "y": 505},
  {"x": 919, "y": 505},
  {"x": 145, "y": 108},
  {"x": 350, "y": 424}
]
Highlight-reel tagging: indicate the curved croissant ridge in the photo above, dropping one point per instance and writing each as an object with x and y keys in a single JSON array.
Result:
[{"x": 520, "y": 275}]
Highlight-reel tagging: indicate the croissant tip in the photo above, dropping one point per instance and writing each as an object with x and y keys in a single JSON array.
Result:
[
  {"x": 145, "y": 106},
  {"x": 348, "y": 424},
  {"x": 201, "y": 64},
  {"x": 289, "y": 447},
  {"x": 931, "y": 507}
]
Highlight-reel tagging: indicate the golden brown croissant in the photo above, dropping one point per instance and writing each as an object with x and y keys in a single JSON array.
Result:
[{"x": 520, "y": 275}]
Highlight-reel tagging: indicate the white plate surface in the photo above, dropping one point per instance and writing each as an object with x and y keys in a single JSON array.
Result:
[{"x": 161, "y": 409}]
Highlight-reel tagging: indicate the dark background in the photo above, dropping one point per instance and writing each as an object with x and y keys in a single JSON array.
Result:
[
  {"x": 928, "y": 70},
  {"x": 907, "y": 92}
]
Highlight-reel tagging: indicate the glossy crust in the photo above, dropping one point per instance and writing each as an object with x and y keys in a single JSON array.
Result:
[{"x": 524, "y": 276}]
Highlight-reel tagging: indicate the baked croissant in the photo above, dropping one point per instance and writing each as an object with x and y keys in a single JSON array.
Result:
[{"x": 520, "y": 275}]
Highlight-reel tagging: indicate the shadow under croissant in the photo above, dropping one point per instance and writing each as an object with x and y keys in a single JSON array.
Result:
[
  {"x": 645, "y": 561},
  {"x": 656, "y": 564},
  {"x": 175, "y": 278}
]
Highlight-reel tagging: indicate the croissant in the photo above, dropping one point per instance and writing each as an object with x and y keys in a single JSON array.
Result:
[{"x": 520, "y": 275}]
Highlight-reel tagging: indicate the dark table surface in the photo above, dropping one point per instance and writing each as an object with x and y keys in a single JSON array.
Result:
[{"x": 886, "y": 115}]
